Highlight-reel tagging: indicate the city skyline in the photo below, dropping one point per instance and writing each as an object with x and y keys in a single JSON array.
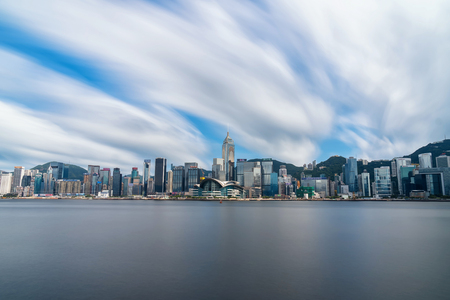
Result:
[{"x": 115, "y": 82}]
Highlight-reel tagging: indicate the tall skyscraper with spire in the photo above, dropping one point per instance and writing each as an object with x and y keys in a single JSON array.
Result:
[{"x": 228, "y": 157}]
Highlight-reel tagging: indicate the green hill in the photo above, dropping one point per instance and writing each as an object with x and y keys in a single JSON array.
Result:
[
  {"x": 331, "y": 166},
  {"x": 436, "y": 149},
  {"x": 75, "y": 172}
]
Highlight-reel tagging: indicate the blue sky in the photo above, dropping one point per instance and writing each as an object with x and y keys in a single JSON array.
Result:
[{"x": 115, "y": 82}]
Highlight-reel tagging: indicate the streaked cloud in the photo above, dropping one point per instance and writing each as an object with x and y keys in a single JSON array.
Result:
[{"x": 285, "y": 76}]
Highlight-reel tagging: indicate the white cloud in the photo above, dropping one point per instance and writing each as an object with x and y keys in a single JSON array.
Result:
[
  {"x": 70, "y": 121},
  {"x": 283, "y": 77}
]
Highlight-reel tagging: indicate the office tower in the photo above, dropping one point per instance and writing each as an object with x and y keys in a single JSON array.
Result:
[
  {"x": 26, "y": 181},
  {"x": 160, "y": 175},
  {"x": 126, "y": 180},
  {"x": 393, "y": 168},
  {"x": 105, "y": 173},
  {"x": 93, "y": 171},
  {"x": 57, "y": 169},
  {"x": 257, "y": 175},
  {"x": 147, "y": 164},
  {"x": 178, "y": 179},
  {"x": 186, "y": 169},
  {"x": 350, "y": 170},
  {"x": 282, "y": 171},
  {"x": 314, "y": 164},
  {"x": 17, "y": 177},
  {"x": 382, "y": 182},
  {"x": 228, "y": 150},
  {"x": 218, "y": 171},
  {"x": 170, "y": 181},
  {"x": 38, "y": 183},
  {"x": 364, "y": 184},
  {"x": 266, "y": 170},
  {"x": 401, "y": 162},
  {"x": 117, "y": 182},
  {"x": 193, "y": 177},
  {"x": 5, "y": 183},
  {"x": 442, "y": 161},
  {"x": 425, "y": 161},
  {"x": 134, "y": 173},
  {"x": 310, "y": 166}
]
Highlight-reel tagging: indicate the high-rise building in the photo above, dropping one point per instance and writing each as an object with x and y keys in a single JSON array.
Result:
[
  {"x": 266, "y": 170},
  {"x": 104, "y": 175},
  {"x": 314, "y": 164},
  {"x": 187, "y": 166},
  {"x": 147, "y": 164},
  {"x": 117, "y": 182},
  {"x": 170, "y": 181},
  {"x": 425, "y": 161},
  {"x": 218, "y": 171},
  {"x": 442, "y": 161},
  {"x": 364, "y": 184},
  {"x": 282, "y": 171},
  {"x": 17, "y": 177},
  {"x": 401, "y": 162},
  {"x": 5, "y": 183},
  {"x": 178, "y": 179},
  {"x": 57, "y": 169},
  {"x": 38, "y": 183},
  {"x": 350, "y": 170},
  {"x": 228, "y": 150},
  {"x": 134, "y": 173},
  {"x": 193, "y": 177},
  {"x": 382, "y": 182},
  {"x": 160, "y": 175}
]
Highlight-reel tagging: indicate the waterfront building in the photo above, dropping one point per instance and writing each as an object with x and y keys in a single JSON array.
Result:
[
  {"x": 401, "y": 162},
  {"x": 126, "y": 181},
  {"x": 382, "y": 182},
  {"x": 116, "y": 183},
  {"x": 193, "y": 177},
  {"x": 211, "y": 187},
  {"x": 147, "y": 164},
  {"x": 364, "y": 184},
  {"x": 187, "y": 166},
  {"x": 228, "y": 150},
  {"x": 320, "y": 185},
  {"x": 218, "y": 171},
  {"x": 5, "y": 183},
  {"x": 178, "y": 179},
  {"x": 17, "y": 177},
  {"x": 160, "y": 175},
  {"x": 442, "y": 161},
  {"x": 350, "y": 170},
  {"x": 38, "y": 183},
  {"x": 435, "y": 181},
  {"x": 170, "y": 181},
  {"x": 68, "y": 187},
  {"x": 266, "y": 177},
  {"x": 57, "y": 170},
  {"x": 104, "y": 175},
  {"x": 425, "y": 161}
]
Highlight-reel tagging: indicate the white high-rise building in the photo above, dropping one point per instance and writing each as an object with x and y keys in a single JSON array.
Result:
[
  {"x": 425, "y": 161},
  {"x": 5, "y": 183}
]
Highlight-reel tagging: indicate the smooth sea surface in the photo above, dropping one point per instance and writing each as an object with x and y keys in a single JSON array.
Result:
[{"x": 111, "y": 249}]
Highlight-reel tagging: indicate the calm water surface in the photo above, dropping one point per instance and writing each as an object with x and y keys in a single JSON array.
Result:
[{"x": 77, "y": 249}]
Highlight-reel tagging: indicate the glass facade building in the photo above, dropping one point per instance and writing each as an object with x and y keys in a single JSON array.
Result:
[
  {"x": 193, "y": 177},
  {"x": 350, "y": 170},
  {"x": 160, "y": 175},
  {"x": 117, "y": 183},
  {"x": 228, "y": 151},
  {"x": 178, "y": 179},
  {"x": 382, "y": 182}
]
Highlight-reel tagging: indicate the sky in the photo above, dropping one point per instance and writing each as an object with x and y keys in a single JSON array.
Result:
[{"x": 114, "y": 82}]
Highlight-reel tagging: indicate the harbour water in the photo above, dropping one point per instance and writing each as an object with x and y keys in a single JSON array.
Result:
[{"x": 103, "y": 249}]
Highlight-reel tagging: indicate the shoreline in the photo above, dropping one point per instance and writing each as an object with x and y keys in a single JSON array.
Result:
[{"x": 235, "y": 200}]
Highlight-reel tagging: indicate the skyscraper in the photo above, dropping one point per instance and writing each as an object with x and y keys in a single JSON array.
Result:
[
  {"x": 57, "y": 169},
  {"x": 187, "y": 166},
  {"x": 442, "y": 161},
  {"x": 364, "y": 184},
  {"x": 105, "y": 173},
  {"x": 351, "y": 174},
  {"x": 228, "y": 151},
  {"x": 170, "y": 181},
  {"x": 178, "y": 179},
  {"x": 401, "y": 162},
  {"x": 117, "y": 182},
  {"x": 147, "y": 163},
  {"x": 266, "y": 170},
  {"x": 382, "y": 182},
  {"x": 425, "y": 161},
  {"x": 17, "y": 177},
  {"x": 160, "y": 175}
]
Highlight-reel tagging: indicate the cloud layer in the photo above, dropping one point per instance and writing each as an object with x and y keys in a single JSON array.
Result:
[{"x": 284, "y": 76}]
